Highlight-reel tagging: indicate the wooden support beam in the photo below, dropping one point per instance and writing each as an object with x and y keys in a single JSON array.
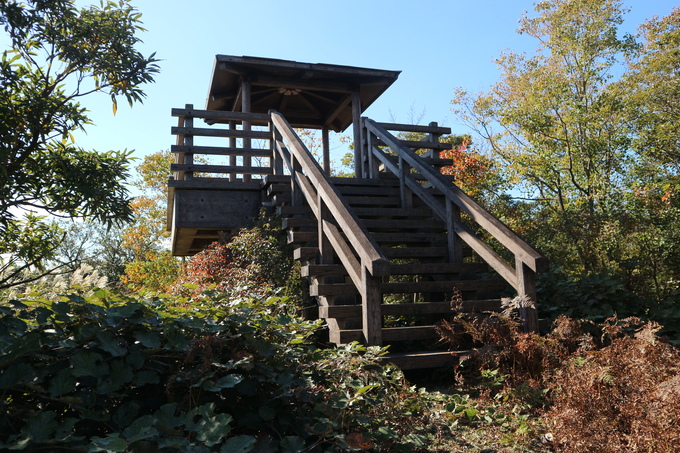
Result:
[
  {"x": 356, "y": 122},
  {"x": 245, "y": 107},
  {"x": 371, "y": 315},
  {"x": 325, "y": 141},
  {"x": 526, "y": 286}
]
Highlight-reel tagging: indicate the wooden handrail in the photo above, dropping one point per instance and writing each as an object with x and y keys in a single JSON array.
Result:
[
  {"x": 527, "y": 260},
  {"x": 358, "y": 239},
  {"x": 484, "y": 218}
]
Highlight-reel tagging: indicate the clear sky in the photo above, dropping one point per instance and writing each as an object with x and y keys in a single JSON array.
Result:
[{"x": 437, "y": 44}]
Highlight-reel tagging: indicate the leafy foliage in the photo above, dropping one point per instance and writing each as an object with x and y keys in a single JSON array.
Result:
[
  {"x": 60, "y": 54},
  {"x": 256, "y": 260},
  {"x": 110, "y": 373}
]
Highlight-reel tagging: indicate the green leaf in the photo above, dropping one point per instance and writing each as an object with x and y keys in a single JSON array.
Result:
[
  {"x": 111, "y": 344},
  {"x": 141, "y": 428},
  {"x": 109, "y": 444},
  {"x": 88, "y": 363},
  {"x": 267, "y": 413},
  {"x": 148, "y": 339},
  {"x": 41, "y": 426},
  {"x": 292, "y": 444},
  {"x": 238, "y": 444},
  {"x": 212, "y": 430},
  {"x": 63, "y": 383}
]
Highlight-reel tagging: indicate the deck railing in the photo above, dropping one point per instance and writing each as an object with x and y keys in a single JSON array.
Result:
[
  {"x": 407, "y": 165},
  {"x": 245, "y": 162}
]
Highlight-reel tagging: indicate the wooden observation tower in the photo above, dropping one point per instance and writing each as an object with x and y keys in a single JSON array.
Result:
[{"x": 383, "y": 252}]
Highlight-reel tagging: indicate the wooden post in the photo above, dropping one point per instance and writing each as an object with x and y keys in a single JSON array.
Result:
[
  {"x": 370, "y": 308},
  {"x": 325, "y": 247},
  {"x": 189, "y": 140},
  {"x": 356, "y": 120},
  {"x": 277, "y": 159},
  {"x": 455, "y": 243},
  {"x": 245, "y": 108},
  {"x": 434, "y": 137},
  {"x": 325, "y": 142},
  {"x": 405, "y": 193},
  {"x": 232, "y": 144},
  {"x": 526, "y": 286}
]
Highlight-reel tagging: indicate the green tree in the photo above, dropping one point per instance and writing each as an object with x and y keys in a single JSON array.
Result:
[
  {"x": 562, "y": 134},
  {"x": 152, "y": 266},
  {"x": 653, "y": 89},
  {"x": 60, "y": 54}
]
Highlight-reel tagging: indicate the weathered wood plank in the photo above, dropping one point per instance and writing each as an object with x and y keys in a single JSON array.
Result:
[
  {"x": 391, "y": 334},
  {"x": 208, "y": 132},
  {"x": 220, "y": 115},
  {"x": 320, "y": 270},
  {"x": 415, "y": 252},
  {"x": 379, "y": 211},
  {"x": 441, "y": 286},
  {"x": 437, "y": 268},
  {"x": 424, "y": 359},
  {"x": 305, "y": 253},
  {"x": 213, "y": 183},
  {"x": 439, "y": 130},
  {"x": 198, "y": 168},
  {"x": 221, "y": 151}
]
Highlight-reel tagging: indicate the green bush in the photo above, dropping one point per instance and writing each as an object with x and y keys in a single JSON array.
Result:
[{"x": 113, "y": 374}]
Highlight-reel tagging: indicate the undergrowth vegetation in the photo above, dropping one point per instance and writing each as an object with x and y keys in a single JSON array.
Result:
[{"x": 226, "y": 364}]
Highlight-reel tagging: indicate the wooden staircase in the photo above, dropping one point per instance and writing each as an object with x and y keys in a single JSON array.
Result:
[
  {"x": 420, "y": 282},
  {"x": 384, "y": 252}
]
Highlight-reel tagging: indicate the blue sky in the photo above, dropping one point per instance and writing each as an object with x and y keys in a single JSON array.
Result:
[{"x": 437, "y": 44}]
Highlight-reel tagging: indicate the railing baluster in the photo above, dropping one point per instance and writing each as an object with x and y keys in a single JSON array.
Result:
[{"x": 455, "y": 243}]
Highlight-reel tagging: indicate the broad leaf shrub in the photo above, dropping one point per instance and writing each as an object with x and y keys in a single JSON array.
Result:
[{"x": 109, "y": 373}]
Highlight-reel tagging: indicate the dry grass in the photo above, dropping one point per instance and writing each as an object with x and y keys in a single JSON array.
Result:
[{"x": 613, "y": 387}]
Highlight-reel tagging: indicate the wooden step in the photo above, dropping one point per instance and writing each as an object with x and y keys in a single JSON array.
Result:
[
  {"x": 378, "y": 211},
  {"x": 280, "y": 199},
  {"x": 437, "y": 268},
  {"x": 294, "y": 210},
  {"x": 401, "y": 224},
  {"x": 297, "y": 222},
  {"x": 273, "y": 189},
  {"x": 305, "y": 253},
  {"x": 302, "y": 237},
  {"x": 415, "y": 252},
  {"x": 387, "y": 181},
  {"x": 391, "y": 334},
  {"x": 332, "y": 289},
  {"x": 401, "y": 238},
  {"x": 320, "y": 270},
  {"x": 418, "y": 308},
  {"x": 357, "y": 200},
  {"x": 369, "y": 191},
  {"x": 424, "y": 359},
  {"x": 441, "y": 286}
]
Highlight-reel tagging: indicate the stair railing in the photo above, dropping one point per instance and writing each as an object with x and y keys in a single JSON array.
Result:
[
  {"x": 338, "y": 228},
  {"x": 528, "y": 261}
]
